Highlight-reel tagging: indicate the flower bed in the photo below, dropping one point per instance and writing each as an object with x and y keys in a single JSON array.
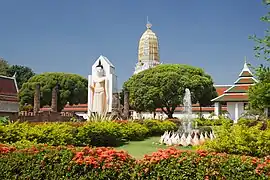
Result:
[{"x": 105, "y": 163}]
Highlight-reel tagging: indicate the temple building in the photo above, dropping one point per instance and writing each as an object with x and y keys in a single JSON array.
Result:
[
  {"x": 236, "y": 97},
  {"x": 9, "y": 101},
  {"x": 148, "y": 50}
]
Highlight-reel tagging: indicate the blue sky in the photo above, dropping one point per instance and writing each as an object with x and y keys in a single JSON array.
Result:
[{"x": 68, "y": 35}]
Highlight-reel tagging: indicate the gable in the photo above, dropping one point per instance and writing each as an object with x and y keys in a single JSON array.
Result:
[
  {"x": 8, "y": 86},
  {"x": 107, "y": 65}
]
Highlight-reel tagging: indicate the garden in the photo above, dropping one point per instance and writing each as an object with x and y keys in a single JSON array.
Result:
[{"x": 130, "y": 150}]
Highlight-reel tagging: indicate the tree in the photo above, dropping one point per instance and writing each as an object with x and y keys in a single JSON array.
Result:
[
  {"x": 3, "y": 66},
  {"x": 73, "y": 89},
  {"x": 164, "y": 86},
  {"x": 23, "y": 74},
  {"x": 259, "y": 94}
]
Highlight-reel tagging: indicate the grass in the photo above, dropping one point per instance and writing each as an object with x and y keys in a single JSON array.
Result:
[{"x": 139, "y": 148}]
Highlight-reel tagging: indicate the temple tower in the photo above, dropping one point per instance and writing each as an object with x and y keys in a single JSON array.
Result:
[{"x": 148, "y": 50}]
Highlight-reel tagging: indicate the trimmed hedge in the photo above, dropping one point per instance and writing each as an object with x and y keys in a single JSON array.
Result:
[
  {"x": 106, "y": 133},
  {"x": 159, "y": 127},
  {"x": 105, "y": 163}
]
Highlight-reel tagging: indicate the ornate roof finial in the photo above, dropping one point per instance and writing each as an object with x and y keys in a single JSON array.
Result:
[
  {"x": 148, "y": 25},
  {"x": 246, "y": 68},
  {"x": 14, "y": 75}
]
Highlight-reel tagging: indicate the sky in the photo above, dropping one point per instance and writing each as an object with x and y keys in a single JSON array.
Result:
[{"x": 68, "y": 35}]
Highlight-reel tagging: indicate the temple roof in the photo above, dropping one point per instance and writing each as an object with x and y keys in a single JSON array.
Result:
[
  {"x": 8, "y": 89},
  {"x": 239, "y": 91}
]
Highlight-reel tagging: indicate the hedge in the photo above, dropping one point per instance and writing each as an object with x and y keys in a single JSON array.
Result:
[
  {"x": 106, "y": 133},
  {"x": 105, "y": 163}
]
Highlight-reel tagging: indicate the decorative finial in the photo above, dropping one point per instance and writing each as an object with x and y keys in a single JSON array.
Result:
[
  {"x": 14, "y": 75},
  {"x": 245, "y": 64},
  {"x": 148, "y": 25}
]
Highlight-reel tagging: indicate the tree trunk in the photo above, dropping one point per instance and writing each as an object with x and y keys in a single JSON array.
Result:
[{"x": 169, "y": 111}]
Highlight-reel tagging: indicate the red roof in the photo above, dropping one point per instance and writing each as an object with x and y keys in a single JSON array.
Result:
[
  {"x": 239, "y": 91},
  {"x": 7, "y": 86},
  {"x": 220, "y": 89},
  {"x": 8, "y": 89}
]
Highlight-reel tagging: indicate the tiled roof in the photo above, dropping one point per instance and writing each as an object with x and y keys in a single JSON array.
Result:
[
  {"x": 221, "y": 88},
  {"x": 8, "y": 89},
  {"x": 232, "y": 97},
  {"x": 246, "y": 74},
  {"x": 239, "y": 91},
  {"x": 8, "y": 86},
  {"x": 245, "y": 80}
]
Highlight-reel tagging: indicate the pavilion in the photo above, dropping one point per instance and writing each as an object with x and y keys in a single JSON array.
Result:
[{"x": 236, "y": 97}]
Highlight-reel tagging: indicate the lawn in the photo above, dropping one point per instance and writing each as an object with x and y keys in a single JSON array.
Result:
[{"x": 139, "y": 148}]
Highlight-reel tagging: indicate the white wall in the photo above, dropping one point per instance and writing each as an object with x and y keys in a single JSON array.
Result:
[
  {"x": 159, "y": 115},
  {"x": 236, "y": 110}
]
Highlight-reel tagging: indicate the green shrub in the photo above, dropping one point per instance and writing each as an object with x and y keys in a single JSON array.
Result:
[
  {"x": 134, "y": 131},
  {"x": 240, "y": 139},
  {"x": 157, "y": 127},
  {"x": 54, "y": 134},
  {"x": 105, "y": 133},
  {"x": 210, "y": 122},
  {"x": 4, "y": 120},
  {"x": 13, "y": 132}
]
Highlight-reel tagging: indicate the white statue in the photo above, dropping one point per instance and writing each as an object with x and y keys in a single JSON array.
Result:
[
  {"x": 99, "y": 91},
  {"x": 101, "y": 86}
]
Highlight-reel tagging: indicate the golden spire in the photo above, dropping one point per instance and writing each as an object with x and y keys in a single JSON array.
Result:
[{"x": 148, "y": 45}]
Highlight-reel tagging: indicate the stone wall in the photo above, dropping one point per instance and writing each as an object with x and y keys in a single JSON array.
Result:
[
  {"x": 45, "y": 117},
  {"x": 13, "y": 116}
]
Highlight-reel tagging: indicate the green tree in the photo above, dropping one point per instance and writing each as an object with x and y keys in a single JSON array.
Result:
[
  {"x": 72, "y": 89},
  {"x": 164, "y": 86},
  {"x": 23, "y": 74},
  {"x": 3, "y": 67},
  {"x": 259, "y": 94}
]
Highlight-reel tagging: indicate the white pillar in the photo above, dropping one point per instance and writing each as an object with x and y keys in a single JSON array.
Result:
[
  {"x": 236, "y": 113},
  {"x": 217, "y": 109},
  {"x": 266, "y": 112}
]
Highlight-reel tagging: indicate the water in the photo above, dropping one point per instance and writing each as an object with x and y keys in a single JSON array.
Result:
[{"x": 187, "y": 120}]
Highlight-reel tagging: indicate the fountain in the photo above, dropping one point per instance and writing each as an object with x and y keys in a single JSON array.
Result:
[{"x": 186, "y": 134}]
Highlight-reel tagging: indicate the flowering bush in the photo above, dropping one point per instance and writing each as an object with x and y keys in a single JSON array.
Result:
[
  {"x": 175, "y": 164},
  {"x": 43, "y": 162}
]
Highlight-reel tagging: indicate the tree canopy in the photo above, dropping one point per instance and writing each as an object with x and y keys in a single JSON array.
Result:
[
  {"x": 23, "y": 74},
  {"x": 259, "y": 94},
  {"x": 3, "y": 66},
  {"x": 164, "y": 86},
  {"x": 72, "y": 89}
]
